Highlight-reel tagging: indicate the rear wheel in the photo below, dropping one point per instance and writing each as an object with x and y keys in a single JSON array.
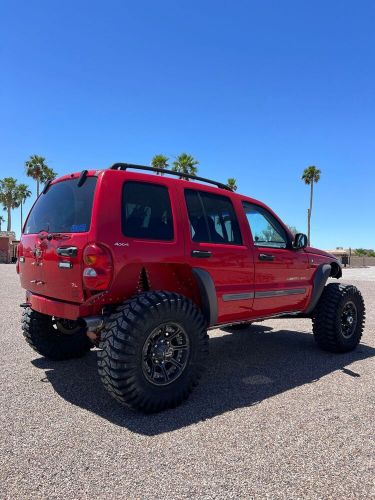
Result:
[
  {"x": 154, "y": 349},
  {"x": 339, "y": 318},
  {"x": 55, "y": 339}
]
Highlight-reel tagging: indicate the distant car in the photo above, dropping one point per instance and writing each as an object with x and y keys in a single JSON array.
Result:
[{"x": 143, "y": 265}]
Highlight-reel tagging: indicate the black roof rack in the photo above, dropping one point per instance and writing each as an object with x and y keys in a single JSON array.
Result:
[{"x": 125, "y": 166}]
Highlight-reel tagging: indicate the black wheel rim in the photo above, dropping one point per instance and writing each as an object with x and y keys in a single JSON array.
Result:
[
  {"x": 165, "y": 354},
  {"x": 66, "y": 326},
  {"x": 348, "y": 319}
]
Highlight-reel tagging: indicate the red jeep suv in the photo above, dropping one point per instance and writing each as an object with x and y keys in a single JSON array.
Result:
[{"x": 143, "y": 265}]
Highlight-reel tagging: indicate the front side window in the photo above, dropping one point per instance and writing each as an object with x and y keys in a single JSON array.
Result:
[
  {"x": 265, "y": 229},
  {"x": 146, "y": 211},
  {"x": 212, "y": 218}
]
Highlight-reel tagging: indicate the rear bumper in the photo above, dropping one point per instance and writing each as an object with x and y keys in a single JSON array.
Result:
[{"x": 58, "y": 308}]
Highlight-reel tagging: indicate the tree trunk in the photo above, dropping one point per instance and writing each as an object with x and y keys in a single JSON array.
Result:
[
  {"x": 37, "y": 187},
  {"x": 308, "y": 227},
  {"x": 9, "y": 225},
  {"x": 21, "y": 217},
  {"x": 309, "y": 216}
]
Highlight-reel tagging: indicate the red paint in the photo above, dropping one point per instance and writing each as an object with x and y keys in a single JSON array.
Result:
[{"x": 167, "y": 264}]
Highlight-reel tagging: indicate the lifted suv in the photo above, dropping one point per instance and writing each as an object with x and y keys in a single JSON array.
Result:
[{"x": 142, "y": 265}]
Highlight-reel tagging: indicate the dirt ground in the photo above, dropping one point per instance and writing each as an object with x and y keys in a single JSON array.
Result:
[{"x": 273, "y": 417}]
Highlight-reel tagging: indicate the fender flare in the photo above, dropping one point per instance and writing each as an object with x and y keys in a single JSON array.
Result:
[
  {"x": 208, "y": 295},
  {"x": 320, "y": 279}
]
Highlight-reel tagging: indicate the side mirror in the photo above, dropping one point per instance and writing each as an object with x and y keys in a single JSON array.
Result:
[{"x": 300, "y": 241}]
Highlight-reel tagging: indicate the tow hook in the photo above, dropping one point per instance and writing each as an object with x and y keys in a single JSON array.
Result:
[{"x": 94, "y": 325}]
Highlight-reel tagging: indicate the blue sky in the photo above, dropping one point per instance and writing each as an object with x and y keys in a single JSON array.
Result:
[{"x": 256, "y": 90}]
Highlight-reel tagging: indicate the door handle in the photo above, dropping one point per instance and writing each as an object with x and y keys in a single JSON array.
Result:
[
  {"x": 67, "y": 251},
  {"x": 201, "y": 254},
  {"x": 266, "y": 256}
]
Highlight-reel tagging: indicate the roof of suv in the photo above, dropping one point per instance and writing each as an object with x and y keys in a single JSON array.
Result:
[{"x": 198, "y": 182}]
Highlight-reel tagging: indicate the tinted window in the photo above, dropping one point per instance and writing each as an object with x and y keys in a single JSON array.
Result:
[
  {"x": 266, "y": 230},
  {"x": 64, "y": 208},
  {"x": 146, "y": 211},
  {"x": 212, "y": 218}
]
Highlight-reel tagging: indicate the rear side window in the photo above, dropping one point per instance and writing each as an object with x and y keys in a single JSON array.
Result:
[
  {"x": 146, "y": 211},
  {"x": 212, "y": 218},
  {"x": 64, "y": 208}
]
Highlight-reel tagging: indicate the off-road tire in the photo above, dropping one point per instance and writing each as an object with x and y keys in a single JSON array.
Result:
[
  {"x": 123, "y": 340},
  {"x": 40, "y": 333},
  {"x": 328, "y": 316}
]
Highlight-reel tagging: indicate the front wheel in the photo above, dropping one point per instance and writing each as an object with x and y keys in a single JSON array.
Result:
[
  {"x": 154, "y": 349},
  {"x": 339, "y": 318}
]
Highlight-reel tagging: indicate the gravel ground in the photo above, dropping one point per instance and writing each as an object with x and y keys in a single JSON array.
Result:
[{"x": 273, "y": 417}]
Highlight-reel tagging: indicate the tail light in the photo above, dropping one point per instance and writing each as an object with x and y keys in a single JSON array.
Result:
[{"x": 98, "y": 267}]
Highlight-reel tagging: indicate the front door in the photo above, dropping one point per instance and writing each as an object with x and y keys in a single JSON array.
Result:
[
  {"x": 216, "y": 245},
  {"x": 282, "y": 276}
]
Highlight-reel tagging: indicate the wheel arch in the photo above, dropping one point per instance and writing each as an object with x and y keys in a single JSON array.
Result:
[
  {"x": 320, "y": 278},
  {"x": 336, "y": 270},
  {"x": 194, "y": 283},
  {"x": 207, "y": 294}
]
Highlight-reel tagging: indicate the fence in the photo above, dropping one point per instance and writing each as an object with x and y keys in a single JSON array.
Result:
[{"x": 355, "y": 261}]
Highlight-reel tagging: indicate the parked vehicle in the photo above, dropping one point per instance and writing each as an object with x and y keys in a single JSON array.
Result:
[{"x": 143, "y": 265}]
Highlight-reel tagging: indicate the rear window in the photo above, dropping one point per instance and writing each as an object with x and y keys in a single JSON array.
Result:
[
  {"x": 65, "y": 208},
  {"x": 146, "y": 211}
]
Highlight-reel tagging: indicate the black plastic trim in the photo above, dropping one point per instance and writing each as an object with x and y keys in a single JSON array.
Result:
[
  {"x": 320, "y": 279},
  {"x": 238, "y": 296},
  {"x": 208, "y": 295},
  {"x": 279, "y": 293}
]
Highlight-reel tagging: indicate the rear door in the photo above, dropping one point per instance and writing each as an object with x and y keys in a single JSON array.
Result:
[
  {"x": 55, "y": 234},
  {"x": 282, "y": 275},
  {"x": 216, "y": 245},
  {"x": 142, "y": 229}
]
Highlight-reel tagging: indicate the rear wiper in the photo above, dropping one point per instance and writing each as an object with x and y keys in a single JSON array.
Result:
[
  {"x": 46, "y": 187},
  {"x": 82, "y": 178}
]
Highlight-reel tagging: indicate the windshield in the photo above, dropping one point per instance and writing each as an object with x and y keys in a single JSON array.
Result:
[{"x": 64, "y": 208}]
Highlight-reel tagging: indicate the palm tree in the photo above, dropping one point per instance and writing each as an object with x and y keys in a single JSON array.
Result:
[
  {"x": 159, "y": 161},
  {"x": 185, "y": 164},
  {"x": 1, "y": 221},
  {"x": 47, "y": 175},
  {"x": 23, "y": 193},
  {"x": 310, "y": 175},
  {"x": 9, "y": 197},
  {"x": 232, "y": 184},
  {"x": 39, "y": 170}
]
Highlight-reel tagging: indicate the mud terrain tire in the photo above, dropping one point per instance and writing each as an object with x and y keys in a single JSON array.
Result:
[
  {"x": 154, "y": 350},
  {"x": 40, "y": 333},
  {"x": 339, "y": 318}
]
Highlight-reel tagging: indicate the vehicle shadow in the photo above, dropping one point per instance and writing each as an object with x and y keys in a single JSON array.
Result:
[{"x": 244, "y": 368}]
